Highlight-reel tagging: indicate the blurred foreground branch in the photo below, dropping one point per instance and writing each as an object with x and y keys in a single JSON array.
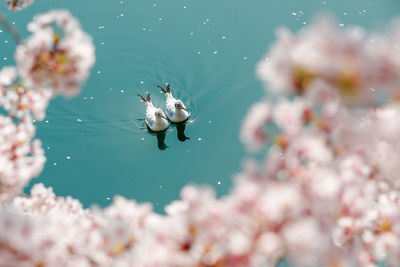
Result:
[{"x": 10, "y": 29}]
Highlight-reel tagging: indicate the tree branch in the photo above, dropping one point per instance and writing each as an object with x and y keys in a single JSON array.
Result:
[{"x": 10, "y": 29}]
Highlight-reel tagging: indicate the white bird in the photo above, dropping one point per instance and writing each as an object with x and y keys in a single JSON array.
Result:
[
  {"x": 155, "y": 117},
  {"x": 175, "y": 109}
]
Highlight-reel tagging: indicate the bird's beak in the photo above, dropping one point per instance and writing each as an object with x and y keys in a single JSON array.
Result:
[
  {"x": 164, "y": 117},
  {"x": 184, "y": 109}
]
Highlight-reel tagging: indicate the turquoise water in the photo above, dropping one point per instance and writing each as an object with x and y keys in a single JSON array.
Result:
[{"x": 206, "y": 50}]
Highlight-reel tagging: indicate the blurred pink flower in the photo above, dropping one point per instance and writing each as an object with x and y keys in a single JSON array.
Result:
[
  {"x": 252, "y": 133},
  {"x": 58, "y": 54},
  {"x": 15, "y": 5},
  {"x": 346, "y": 59},
  {"x": 21, "y": 159}
]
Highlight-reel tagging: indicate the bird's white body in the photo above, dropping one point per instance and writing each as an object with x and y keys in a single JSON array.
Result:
[
  {"x": 155, "y": 123},
  {"x": 174, "y": 114}
]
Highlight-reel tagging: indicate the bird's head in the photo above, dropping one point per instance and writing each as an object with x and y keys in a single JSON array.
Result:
[
  {"x": 160, "y": 114},
  {"x": 179, "y": 105}
]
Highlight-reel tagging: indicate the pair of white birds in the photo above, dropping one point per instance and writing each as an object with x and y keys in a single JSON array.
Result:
[{"x": 175, "y": 109}]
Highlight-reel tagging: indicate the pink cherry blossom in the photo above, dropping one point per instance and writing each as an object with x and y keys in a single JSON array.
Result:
[
  {"x": 58, "y": 54},
  {"x": 21, "y": 159},
  {"x": 252, "y": 132},
  {"x": 19, "y": 100},
  {"x": 15, "y": 5},
  {"x": 345, "y": 59}
]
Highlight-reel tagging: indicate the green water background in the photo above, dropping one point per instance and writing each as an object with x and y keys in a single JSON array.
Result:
[{"x": 206, "y": 49}]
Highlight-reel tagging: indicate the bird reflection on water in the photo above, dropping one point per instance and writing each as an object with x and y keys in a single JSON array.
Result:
[
  {"x": 160, "y": 138},
  {"x": 180, "y": 127}
]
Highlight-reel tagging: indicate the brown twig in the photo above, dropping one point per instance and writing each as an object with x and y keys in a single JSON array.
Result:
[{"x": 10, "y": 29}]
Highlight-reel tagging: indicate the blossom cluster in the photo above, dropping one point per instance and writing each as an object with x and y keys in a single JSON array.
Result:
[
  {"x": 58, "y": 54},
  {"x": 198, "y": 230},
  {"x": 326, "y": 194},
  {"x": 52, "y": 61},
  {"x": 15, "y": 5},
  {"x": 18, "y": 100},
  {"x": 359, "y": 66},
  {"x": 335, "y": 138},
  {"x": 20, "y": 157}
]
